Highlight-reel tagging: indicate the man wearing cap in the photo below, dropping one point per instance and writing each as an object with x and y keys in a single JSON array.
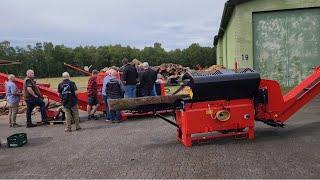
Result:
[{"x": 92, "y": 91}]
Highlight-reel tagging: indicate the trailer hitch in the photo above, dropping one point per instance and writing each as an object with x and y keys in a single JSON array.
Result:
[{"x": 166, "y": 119}]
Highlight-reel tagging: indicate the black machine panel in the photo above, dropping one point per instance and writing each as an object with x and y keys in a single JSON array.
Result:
[{"x": 222, "y": 84}]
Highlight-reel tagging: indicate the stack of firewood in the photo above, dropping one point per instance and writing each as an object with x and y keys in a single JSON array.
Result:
[
  {"x": 215, "y": 68},
  {"x": 172, "y": 69},
  {"x": 4, "y": 110}
]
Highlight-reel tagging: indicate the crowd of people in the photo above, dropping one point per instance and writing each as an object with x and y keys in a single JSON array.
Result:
[{"x": 132, "y": 77}]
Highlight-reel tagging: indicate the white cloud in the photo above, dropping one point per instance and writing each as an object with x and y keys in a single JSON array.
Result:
[{"x": 139, "y": 23}]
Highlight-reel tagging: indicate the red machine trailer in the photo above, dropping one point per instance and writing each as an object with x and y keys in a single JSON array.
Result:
[
  {"x": 227, "y": 103},
  {"x": 234, "y": 116},
  {"x": 2, "y": 85}
]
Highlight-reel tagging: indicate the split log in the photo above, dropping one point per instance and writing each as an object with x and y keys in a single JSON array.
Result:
[{"x": 134, "y": 103}]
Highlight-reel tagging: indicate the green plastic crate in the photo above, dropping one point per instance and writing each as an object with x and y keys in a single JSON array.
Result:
[{"x": 17, "y": 140}]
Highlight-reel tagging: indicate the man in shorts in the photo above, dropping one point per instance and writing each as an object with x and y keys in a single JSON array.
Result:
[{"x": 92, "y": 91}]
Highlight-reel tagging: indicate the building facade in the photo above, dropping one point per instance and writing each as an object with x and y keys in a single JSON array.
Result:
[{"x": 278, "y": 38}]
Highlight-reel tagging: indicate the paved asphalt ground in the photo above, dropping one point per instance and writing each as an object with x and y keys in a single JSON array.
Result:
[{"x": 147, "y": 148}]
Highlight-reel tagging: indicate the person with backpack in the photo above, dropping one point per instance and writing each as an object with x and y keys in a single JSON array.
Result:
[
  {"x": 114, "y": 90},
  {"x": 67, "y": 91}
]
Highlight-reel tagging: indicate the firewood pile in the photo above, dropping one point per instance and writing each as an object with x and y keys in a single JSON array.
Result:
[
  {"x": 167, "y": 71},
  {"x": 4, "y": 110},
  {"x": 170, "y": 72},
  {"x": 172, "y": 69},
  {"x": 215, "y": 68}
]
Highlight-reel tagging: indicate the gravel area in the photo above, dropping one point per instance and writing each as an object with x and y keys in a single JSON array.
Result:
[{"x": 147, "y": 148}]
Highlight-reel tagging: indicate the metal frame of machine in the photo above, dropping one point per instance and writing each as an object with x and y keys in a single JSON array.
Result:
[
  {"x": 236, "y": 117},
  {"x": 227, "y": 104},
  {"x": 229, "y": 118}
]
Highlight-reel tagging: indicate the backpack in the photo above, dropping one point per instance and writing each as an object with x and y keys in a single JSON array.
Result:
[
  {"x": 113, "y": 89},
  {"x": 66, "y": 94}
]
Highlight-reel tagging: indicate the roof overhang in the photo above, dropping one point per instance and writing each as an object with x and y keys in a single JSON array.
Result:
[{"x": 227, "y": 13}]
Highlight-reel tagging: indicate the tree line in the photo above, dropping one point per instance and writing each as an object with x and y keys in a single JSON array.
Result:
[{"x": 47, "y": 59}]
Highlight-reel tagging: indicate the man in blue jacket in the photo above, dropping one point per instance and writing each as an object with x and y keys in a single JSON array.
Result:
[
  {"x": 104, "y": 94},
  {"x": 13, "y": 99}
]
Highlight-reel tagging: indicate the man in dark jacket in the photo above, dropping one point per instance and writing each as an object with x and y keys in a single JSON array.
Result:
[
  {"x": 33, "y": 98},
  {"x": 67, "y": 91},
  {"x": 114, "y": 90},
  {"x": 147, "y": 81},
  {"x": 129, "y": 79}
]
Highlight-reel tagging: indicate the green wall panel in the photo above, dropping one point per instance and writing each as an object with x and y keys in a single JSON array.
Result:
[
  {"x": 286, "y": 44},
  {"x": 242, "y": 33}
]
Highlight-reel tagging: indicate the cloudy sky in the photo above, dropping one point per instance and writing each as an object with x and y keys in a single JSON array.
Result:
[{"x": 138, "y": 23}]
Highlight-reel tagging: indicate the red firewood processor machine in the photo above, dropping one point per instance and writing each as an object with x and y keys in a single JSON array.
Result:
[{"x": 227, "y": 103}]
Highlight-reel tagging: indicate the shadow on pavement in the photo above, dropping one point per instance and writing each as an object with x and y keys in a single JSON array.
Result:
[
  {"x": 286, "y": 133},
  {"x": 33, "y": 142}
]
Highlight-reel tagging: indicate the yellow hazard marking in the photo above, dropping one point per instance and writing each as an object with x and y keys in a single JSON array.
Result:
[
  {"x": 190, "y": 93},
  {"x": 209, "y": 112}
]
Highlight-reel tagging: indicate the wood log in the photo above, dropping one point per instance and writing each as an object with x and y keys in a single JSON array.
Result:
[{"x": 134, "y": 103}]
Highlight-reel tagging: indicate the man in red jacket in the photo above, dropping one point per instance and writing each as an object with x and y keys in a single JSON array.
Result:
[{"x": 92, "y": 90}]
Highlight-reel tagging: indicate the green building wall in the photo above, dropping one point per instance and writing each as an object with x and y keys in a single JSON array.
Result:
[
  {"x": 237, "y": 41},
  {"x": 219, "y": 52},
  {"x": 227, "y": 46}
]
